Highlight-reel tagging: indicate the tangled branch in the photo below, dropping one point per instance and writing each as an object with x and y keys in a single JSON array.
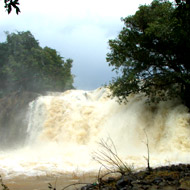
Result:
[{"x": 108, "y": 157}]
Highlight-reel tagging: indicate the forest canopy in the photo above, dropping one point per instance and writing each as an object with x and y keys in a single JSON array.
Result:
[
  {"x": 25, "y": 66},
  {"x": 151, "y": 53}
]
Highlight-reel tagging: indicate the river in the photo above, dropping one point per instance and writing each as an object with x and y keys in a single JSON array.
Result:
[{"x": 64, "y": 129}]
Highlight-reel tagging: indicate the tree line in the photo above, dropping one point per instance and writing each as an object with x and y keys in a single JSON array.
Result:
[
  {"x": 25, "y": 66},
  {"x": 151, "y": 54}
]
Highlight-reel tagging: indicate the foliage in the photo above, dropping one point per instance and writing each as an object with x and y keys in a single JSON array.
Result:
[
  {"x": 9, "y": 4},
  {"x": 151, "y": 53},
  {"x": 25, "y": 66}
]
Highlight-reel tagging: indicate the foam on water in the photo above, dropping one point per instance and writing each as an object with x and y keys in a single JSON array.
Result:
[{"x": 64, "y": 128}]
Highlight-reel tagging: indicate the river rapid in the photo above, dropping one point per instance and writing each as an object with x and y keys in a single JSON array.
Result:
[{"x": 63, "y": 131}]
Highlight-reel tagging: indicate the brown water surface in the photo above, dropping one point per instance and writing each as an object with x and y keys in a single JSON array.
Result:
[{"x": 41, "y": 182}]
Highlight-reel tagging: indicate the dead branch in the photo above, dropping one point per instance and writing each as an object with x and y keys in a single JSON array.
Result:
[
  {"x": 148, "y": 151},
  {"x": 108, "y": 157}
]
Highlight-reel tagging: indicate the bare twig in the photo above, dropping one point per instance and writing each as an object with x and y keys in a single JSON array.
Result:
[
  {"x": 99, "y": 178},
  {"x": 148, "y": 152},
  {"x": 108, "y": 157}
]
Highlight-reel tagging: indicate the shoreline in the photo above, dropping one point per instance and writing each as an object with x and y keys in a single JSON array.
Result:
[
  {"x": 24, "y": 182},
  {"x": 173, "y": 177}
]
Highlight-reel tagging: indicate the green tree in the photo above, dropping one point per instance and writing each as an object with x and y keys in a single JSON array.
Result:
[
  {"x": 25, "y": 66},
  {"x": 151, "y": 54},
  {"x": 55, "y": 68}
]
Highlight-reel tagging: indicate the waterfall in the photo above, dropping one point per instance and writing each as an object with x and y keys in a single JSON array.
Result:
[{"x": 64, "y": 128}]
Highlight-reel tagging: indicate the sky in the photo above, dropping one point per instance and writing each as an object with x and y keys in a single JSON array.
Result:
[{"x": 77, "y": 29}]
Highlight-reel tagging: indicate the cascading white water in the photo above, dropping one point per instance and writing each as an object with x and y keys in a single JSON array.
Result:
[{"x": 64, "y": 128}]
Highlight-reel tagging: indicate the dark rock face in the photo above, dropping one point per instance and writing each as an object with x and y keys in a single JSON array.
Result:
[
  {"x": 13, "y": 125},
  {"x": 88, "y": 187},
  {"x": 175, "y": 177},
  {"x": 124, "y": 182}
]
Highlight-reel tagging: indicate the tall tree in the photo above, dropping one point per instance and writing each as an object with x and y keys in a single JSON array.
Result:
[
  {"x": 24, "y": 65},
  {"x": 151, "y": 54}
]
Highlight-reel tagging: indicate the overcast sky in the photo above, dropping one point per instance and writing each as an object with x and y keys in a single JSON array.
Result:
[{"x": 77, "y": 29}]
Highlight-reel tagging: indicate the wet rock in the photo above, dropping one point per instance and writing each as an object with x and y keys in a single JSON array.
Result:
[
  {"x": 137, "y": 188},
  {"x": 88, "y": 187},
  {"x": 169, "y": 188},
  {"x": 169, "y": 178},
  {"x": 185, "y": 183},
  {"x": 126, "y": 188},
  {"x": 157, "y": 180},
  {"x": 175, "y": 177},
  {"x": 111, "y": 180},
  {"x": 107, "y": 188},
  {"x": 187, "y": 174},
  {"x": 13, "y": 114},
  {"x": 153, "y": 187},
  {"x": 124, "y": 181}
]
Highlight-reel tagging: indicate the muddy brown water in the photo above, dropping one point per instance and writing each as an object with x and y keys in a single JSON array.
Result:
[{"x": 41, "y": 182}]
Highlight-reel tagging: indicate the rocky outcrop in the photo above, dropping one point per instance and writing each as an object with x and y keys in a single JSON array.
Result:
[
  {"x": 175, "y": 177},
  {"x": 13, "y": 124}
]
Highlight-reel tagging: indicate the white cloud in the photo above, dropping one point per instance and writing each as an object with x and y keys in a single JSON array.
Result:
[{"x": 78, "y": 29}]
